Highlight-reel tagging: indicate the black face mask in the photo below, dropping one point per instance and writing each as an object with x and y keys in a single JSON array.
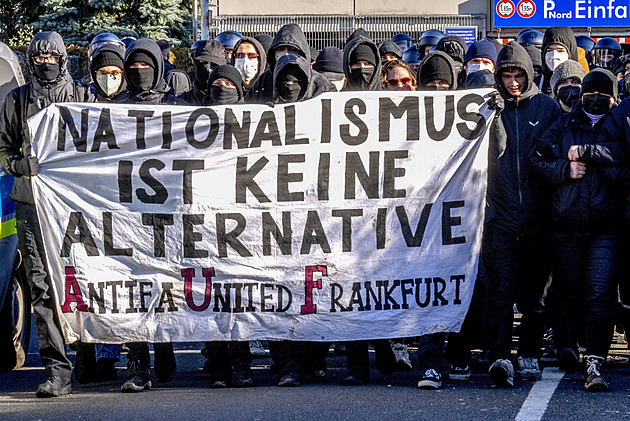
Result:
[
  {"x": 140, "y": 80},
  {"x": 596, "y": 104},
  {"x": 361, "y": 76},
  {"x": 47, "y": 71},
  {"x": 289, "y": 92},
  {"x": 222, "y": 95},
  {"x": 626, "y": 85},
  {"x": 569, "y": 94}
]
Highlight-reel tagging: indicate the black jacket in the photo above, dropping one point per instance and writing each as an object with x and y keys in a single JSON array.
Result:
[
  {"x": 591, "y": 203},
  {"x": 516, "y": 201},
  {"x": 159, "y": 92},
  {"x": 261, "y": 91},
  {"x": 27, "y": 100}
]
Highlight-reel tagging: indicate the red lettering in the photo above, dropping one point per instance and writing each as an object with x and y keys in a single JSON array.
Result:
[
  {"x": 309, "y": 307},
  {"x": 188, "y": 275},
  {"x": 73, "y": 292}
]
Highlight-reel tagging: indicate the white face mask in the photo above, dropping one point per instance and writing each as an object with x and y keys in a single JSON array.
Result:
[
  {"x": 338, "y": 83},
  {"x": 553, "y": 58},
  {"x": 475, "y": 67},
  {"x": 109, "y": 84},
  {"x": 247, "y": 67}
]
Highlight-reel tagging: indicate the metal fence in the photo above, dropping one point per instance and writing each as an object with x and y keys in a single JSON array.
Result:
[{"x": 325, "y": 30}]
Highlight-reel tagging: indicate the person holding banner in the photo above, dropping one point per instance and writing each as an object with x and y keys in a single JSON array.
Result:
[
  {"x": 144, "y": 72},
  {"x": 515, "y": 236},
  {"x": 47, "y": 61},
  {"x": 362, "y": 67}
]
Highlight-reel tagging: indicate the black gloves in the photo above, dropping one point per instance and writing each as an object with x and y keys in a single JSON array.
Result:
[
  {"x": 495, "y": 102},
  {"x": 27, "y": 166}
]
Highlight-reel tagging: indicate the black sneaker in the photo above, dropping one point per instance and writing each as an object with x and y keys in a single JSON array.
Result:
[
  {"x": 356, "y": 377},
  {"x": 291, "y": 379},
  {"x": 139, "y": 377},
  {"x": 568, "y": 360},
  {"x": 593, "y": 380},
  {"x": 105, "y": 370},
  {"x": 85, "y": 364},
  {"x": 54, "y": 386},
  {"x": 431, "y": 379},
  {"x": 165, "y": 365},
  {"x": 244, "y": 377}
]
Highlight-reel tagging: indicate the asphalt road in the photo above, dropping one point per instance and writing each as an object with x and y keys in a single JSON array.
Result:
[{"x": 387, "y": 398}]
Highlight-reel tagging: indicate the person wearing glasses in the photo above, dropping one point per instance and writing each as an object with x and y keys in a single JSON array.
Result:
[
  {"x": 398, "y": 76},
  {"x": 250, "y": 59},
  {"x": 47, "y": 61}
]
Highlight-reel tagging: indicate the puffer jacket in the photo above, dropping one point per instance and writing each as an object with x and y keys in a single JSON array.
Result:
[
  {"x": 590, "y": 203},
  {"x": 261, "y": 91},
  {"x": 26, "y": 101},
  {"x": 516, "y": 201}
]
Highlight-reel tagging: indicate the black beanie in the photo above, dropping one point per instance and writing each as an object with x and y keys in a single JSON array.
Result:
[
  {"x": 363, "y": 52},
  {"x": 139, "y": 56},
  {"x": 107, "y": 58},
  {"x": 230, "y": 73},
  {"x": 436, "y": 68},
  {"x": 600, "y": 80}
]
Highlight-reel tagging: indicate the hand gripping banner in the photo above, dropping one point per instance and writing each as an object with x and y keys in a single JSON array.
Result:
[{"x": 348, "y": 216}]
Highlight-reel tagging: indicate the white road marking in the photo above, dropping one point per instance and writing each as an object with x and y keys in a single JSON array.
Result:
[{"x": 536, "y": 403}]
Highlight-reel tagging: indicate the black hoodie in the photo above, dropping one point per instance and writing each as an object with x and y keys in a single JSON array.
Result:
[
  {"x": 159, "y": 91},
  {"x": 555, "y": 35},
  {"x": 301, "y": 65},
  {"x": 374, "y": 83},
  {"x": 516, "y": 201},
  {"x": 262, "y": 56},
  {"x": 25, "y": 101},
  {"x": 262, "y": 91}
]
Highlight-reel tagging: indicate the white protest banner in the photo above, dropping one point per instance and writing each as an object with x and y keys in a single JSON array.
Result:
[{"x": 349, "y": 216}]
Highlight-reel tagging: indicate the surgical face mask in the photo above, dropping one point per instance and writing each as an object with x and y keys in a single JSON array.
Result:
[
  {"x": 109, "y": 84},
  {"x": 475, "y": 67},
  {"x": 626, "y": 84},
  {"x": 596, "y": 104},
  {"x": 140, "y": 80},
  {"x": 361, "y": 76},
  {"x": 553, "y": 58},
  {"x": 569, "y": 94},
  {"x": 247, "y": 67},
  {"x": 47, "y": 71}
]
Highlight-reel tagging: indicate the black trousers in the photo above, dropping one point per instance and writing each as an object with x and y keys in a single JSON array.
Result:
[
  {"x": 52, "y": 349},
  {"x": 517, "y": 266},
  {"x": 585, "y": 271}
]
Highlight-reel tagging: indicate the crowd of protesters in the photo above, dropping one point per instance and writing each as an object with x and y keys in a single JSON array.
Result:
[{"x": 556, "y": 217}]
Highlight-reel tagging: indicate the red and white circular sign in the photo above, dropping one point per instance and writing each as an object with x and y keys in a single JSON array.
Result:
[
  {"x": 505, "y": 8},
  {"x": 526, "y": 8}
]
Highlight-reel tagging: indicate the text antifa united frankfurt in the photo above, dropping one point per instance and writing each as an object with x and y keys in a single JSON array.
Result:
[{"x": 376, "y": 175}]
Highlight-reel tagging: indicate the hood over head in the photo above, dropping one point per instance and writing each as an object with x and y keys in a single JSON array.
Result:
[
  {"x": 359, "y": 32},
  {"x": 265, "y": 40},
  {"x": 363, "y": 44},
  {"x": 298, "y": 66},
  {"x": 145, "y": 47},
  {"x": 262, "y": 53},
  {"x": 454, "y": 46},
  {"x": 290, "y": 35},
  {"x": 48, "y": 42},
  {"x": 558, "y": 35},
  {"x": 211, "y": 51},
  {"x": 514, "y": 55},
  {"x": 389, "y": 47},
  {"x": 437, "y": 65}
]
